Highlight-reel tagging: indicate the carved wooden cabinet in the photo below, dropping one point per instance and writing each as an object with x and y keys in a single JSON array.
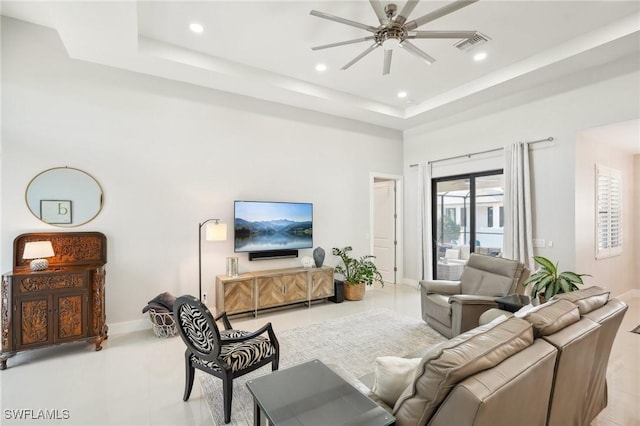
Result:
[
  {"x": 64, "y": 303},
  {"x": 257, "y": 290}
]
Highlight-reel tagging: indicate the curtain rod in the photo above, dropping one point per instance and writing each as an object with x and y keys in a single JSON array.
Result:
[{"x": 549, "y": 139}]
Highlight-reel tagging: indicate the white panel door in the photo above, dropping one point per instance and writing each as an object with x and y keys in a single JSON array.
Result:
[{"x": 384, "y": 229}]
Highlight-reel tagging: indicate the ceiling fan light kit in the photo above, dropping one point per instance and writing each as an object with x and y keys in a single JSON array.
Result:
[{"x": 395, "y": 31}]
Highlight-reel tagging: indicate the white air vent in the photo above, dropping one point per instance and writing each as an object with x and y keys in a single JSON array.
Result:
[{"x": 470, "y": 43}]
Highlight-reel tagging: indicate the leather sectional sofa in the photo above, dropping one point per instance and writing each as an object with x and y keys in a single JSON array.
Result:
[{"x": 543, "y": 365}]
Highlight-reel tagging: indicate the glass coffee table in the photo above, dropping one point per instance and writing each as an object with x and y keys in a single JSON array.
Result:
[{"x": 312, "y": 394}]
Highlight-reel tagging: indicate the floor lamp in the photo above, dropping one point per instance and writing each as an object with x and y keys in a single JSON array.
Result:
[{"x": 214, "y": 231}]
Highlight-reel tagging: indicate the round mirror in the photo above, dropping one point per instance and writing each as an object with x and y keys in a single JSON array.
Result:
[{"x": 64, "y": 196}]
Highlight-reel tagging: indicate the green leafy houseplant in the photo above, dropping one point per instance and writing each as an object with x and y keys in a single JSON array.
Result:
[
  {"x": 548, "y": 282},
  {"x": 356, "y": 271}
]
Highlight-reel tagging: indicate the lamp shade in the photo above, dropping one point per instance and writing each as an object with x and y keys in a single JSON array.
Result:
[
  {"x": 215, "y": 231},
  {"x": 38, "y": 250}
]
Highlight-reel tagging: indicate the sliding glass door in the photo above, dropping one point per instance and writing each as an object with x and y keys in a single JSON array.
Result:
[{"x": 467, "y": 217}]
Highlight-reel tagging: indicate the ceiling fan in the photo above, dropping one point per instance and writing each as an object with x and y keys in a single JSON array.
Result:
[{"x": 395, "y": 31}]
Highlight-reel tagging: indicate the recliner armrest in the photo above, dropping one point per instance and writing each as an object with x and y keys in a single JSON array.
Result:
[
  {"x": 471, "y": 299},
  {"x": 441, "y": 286}
]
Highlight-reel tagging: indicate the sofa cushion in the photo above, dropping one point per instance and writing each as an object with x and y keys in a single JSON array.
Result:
[
  {"x": 450, "y": 362},
  {"x": 391, "y": 376},
  {"x": 439, "y": 308},
  {"x": 587, "y": 299},
  {"x": 552, "y": 316}
]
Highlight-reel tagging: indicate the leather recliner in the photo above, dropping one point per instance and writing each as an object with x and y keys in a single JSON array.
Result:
[{"x": 453, "y": 307}]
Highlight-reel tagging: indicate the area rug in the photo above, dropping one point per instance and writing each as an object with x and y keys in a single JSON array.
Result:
[
  {"x": 351, "y": 343},
  {"x": 636, "y": 330}
]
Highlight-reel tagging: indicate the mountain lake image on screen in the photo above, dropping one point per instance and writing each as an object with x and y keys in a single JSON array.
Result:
[{"x": 267, "y": 226}]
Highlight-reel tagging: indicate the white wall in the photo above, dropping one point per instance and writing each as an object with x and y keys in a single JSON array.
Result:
[
  {"x": 170, "y": 155},
  {"x": 598, "y": 146},
  {"x": 636, "y": 218},
  {"x": 562, "y": 116}
]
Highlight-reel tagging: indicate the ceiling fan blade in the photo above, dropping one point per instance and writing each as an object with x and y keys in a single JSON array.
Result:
[
  {"x": 378, "y": 7},
  {"x": 342, "y": 43},
  {"x": 386, "y": 69},
  {"x": 418, "y": 52},
  {"x": 360, "y": 56},
  {"x": 343, "y": 21},
  {"x": 438, "y": 13},
  {"x": 442, "y": 34},
  {"x": 408, "y": 7}
]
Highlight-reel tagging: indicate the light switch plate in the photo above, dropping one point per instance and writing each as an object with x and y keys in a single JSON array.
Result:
[{"x": 538, "y": 243}]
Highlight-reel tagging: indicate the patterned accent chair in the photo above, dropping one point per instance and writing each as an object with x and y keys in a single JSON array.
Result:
[{"x": 227, "y": 353}]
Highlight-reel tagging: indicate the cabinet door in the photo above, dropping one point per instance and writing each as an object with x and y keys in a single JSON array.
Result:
[
  {"x": 239, "y": 296},
  {"x": 70, "y": 316},
  {"x": 321, "y": 283},
  {"x": 270, "y": 292},
  {"x": 282, "y": 289},
  {"x": 295, "y": 287},
  {"x": 33, "y": 321}
]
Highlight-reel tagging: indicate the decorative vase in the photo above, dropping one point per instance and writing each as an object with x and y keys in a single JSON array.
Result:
[
  {"x": 354, "y": 291},
  {"x": 232, "y": 267},
  {"x": 318, "y": 256}
]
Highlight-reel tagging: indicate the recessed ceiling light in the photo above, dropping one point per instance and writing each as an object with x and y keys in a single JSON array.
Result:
[
  {"x": 480, "y": 56},
  {"x": 402, "y": 94},
  {"x": 196, "y": 28},
  {"x": 321, "y": 67}
]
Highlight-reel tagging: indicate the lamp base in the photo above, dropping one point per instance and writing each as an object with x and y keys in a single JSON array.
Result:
[{"x": 39, "y": 264}]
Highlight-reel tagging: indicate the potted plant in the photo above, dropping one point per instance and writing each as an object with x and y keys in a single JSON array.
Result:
[
  {"x": 547, "y": 282},
  {"x": 357, "y": 272}
]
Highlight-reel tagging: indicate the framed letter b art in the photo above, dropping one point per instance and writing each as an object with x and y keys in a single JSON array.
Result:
[{"x": 55, "y": 211}]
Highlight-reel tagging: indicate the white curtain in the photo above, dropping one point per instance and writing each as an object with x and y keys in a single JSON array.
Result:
[
  {"x": 518, "y": 234},
  {"x": 425, "y": 269}
]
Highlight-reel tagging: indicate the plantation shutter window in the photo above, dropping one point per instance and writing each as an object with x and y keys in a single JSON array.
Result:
[{"x": 608, "y": 212}]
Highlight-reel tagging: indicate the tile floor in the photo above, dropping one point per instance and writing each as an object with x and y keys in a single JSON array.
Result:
[{"x": 138, "y": 379}]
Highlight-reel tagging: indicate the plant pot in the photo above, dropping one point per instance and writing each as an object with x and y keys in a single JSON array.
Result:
[{"x": 354, "y": 291}]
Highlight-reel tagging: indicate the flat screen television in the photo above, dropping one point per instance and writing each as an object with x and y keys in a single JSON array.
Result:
[{"x": 266, "y": 226}]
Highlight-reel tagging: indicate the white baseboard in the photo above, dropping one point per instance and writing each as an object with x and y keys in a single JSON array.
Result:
[
  {"x": 409, "y": 282},
  {"x": 129, "y": 326}
]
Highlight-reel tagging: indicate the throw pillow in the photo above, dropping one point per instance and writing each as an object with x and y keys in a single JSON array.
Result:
[
  {"x": 451, "y": 254},
  {"x": 392, "y": 376}
]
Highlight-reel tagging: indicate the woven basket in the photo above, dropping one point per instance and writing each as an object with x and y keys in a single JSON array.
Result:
[
  {"x": 163, "y": 323},
  {"x": 354, "y": 291}
]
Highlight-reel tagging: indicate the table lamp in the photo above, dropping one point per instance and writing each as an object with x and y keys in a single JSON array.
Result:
[{"x": 38, "y": 250}]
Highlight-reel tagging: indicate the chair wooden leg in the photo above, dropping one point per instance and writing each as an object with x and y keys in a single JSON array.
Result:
[
  {"x": 188, "y": 384},
  {"x": 227, "y": 391}
]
